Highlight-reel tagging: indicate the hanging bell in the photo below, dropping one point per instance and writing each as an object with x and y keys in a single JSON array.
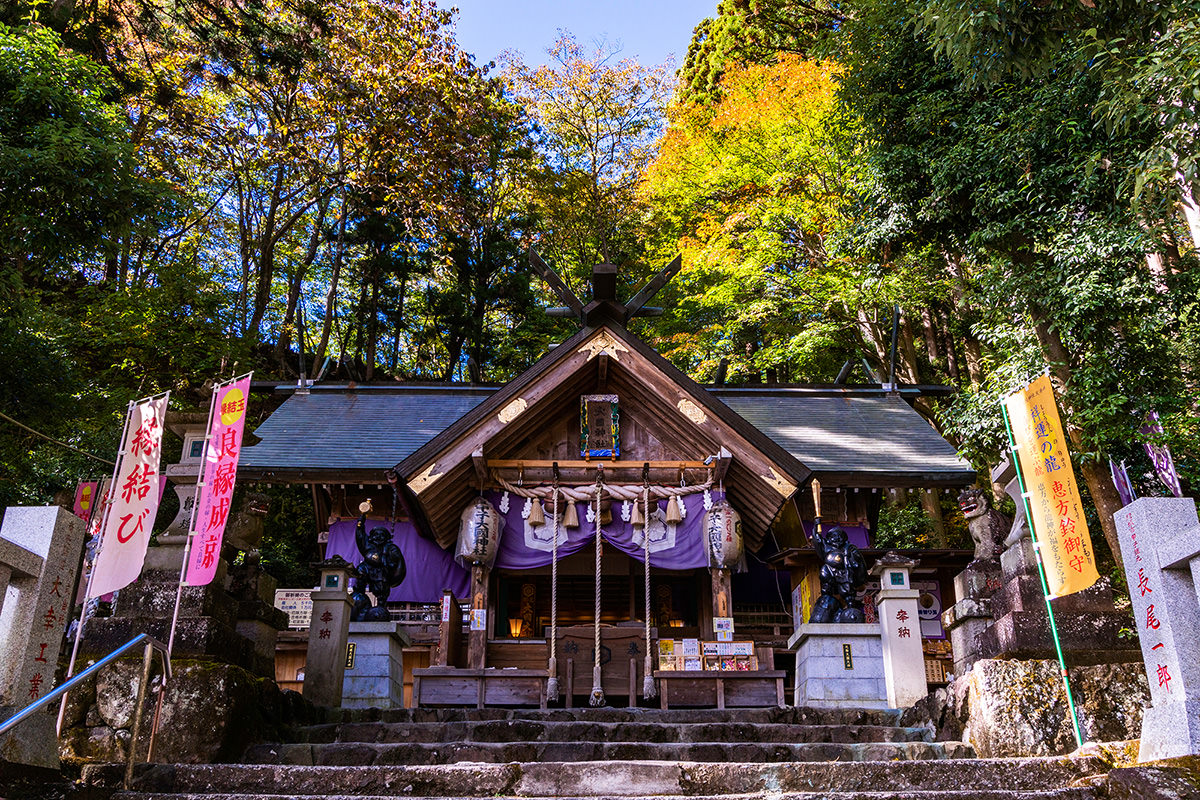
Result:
[
  {"x": 570, "y": 516},
  {"x": 537, "y": 515},
  {"x": 637, "y": 518},
  {"x": 674, "y": 514}
]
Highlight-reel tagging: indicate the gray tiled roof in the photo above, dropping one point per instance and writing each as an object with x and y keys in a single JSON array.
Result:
[
  {"x": 332, "y": 430},
  {"x": 371, "y": 428},
  {"x": 847, "y": 433}
]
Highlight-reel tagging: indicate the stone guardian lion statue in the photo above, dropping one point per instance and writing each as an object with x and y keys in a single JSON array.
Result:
[{"x": 988, "y": 526}]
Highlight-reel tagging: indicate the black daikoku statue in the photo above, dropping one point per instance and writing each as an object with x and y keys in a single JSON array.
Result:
[
  {"x": 381, "y": 570},
  {"x": 843, "y": 573}
]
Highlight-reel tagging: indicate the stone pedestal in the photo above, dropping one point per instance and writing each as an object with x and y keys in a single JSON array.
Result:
[
  {"x": 325, "y": 665},
  {"x": 1160, "y": 545},
  {"x": 900, "y": 628},
  {"x": 375, "y": 678},
  {"x": 839, "y": 666},
  {"x": 1019, "y": 627},
  {"x": 971, "y": 614},
  {"x": 230, "y": 620}
]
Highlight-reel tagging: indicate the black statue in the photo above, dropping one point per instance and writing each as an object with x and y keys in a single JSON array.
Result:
[
  {"x": 381, "y": 570},
  {"x": 843, "y": 573}
]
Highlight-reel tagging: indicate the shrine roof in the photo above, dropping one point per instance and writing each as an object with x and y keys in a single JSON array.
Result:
[{"x": 856, "y": 436}]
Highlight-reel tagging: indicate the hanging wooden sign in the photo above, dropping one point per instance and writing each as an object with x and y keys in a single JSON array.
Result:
[{"x": 599, "y": 428}]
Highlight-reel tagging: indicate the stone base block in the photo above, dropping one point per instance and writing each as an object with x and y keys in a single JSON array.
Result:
[
  {"x": 376, "y": 679},
  {"x": 825, "y": 678},
  {"x": 1170, "y": 730},
  {"x": 32, "y": 743}
]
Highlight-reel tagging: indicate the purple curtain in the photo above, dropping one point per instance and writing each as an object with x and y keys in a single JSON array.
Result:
[
  {"x": 431, "y": 570},
  {"x": 855, "y": 534},
  {"x": 686, "y": 551}
]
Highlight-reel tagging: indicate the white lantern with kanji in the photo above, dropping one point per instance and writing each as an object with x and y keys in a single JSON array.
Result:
[
  {"x": 479, "y": 534},
  {"x": 723, "y": 536}
]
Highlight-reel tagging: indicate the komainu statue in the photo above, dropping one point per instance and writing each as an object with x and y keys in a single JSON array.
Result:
[
  {"x": 381, "y": 569},
  {"x": 843, "y": 573},
  {"x": 987, "y": 525}
]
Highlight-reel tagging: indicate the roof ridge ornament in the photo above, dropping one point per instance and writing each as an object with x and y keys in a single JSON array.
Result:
[{"x": 604, "y": 306}]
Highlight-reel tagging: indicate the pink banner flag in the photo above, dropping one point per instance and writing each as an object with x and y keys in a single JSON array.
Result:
[
  {"x": 85, "y": 499},
  {"x": 220, "y": 472},
  {"x": 132, "y": 501}
]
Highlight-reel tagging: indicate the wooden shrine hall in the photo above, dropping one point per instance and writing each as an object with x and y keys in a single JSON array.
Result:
[{"x": 601, "y": 502}]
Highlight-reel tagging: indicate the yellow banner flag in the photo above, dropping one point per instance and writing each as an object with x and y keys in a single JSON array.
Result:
[{"x": 1054, "y": 503}]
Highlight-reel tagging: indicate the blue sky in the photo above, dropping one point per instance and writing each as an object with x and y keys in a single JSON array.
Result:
[{"x": 648, "y": 30}]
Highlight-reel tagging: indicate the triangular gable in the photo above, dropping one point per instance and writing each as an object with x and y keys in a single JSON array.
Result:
[{"x": 441, "y": 477}]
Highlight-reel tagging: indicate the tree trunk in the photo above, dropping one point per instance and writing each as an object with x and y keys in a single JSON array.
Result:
[
  {"x": 933, "y": 509},
  {"x": 908, "y": 351},
  {"x": 931, "y": 345},
  {"x": 331, "y": 295},
  {"x": 1191, "y": 209},
  {"x": 372, "y": 327},
  {"x": 284, "y": 343}
]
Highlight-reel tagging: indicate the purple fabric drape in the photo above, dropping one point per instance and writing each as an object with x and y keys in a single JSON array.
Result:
[
  {"x": 430, "y": 568},
  {"x": 687, "y": 552},
  {"x": 855, "y": 534}
]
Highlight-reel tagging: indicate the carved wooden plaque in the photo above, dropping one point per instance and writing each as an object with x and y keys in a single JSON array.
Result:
[{"x": 600, "y": 429}]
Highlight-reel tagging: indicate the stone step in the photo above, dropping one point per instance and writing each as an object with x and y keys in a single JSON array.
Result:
[
  {"x": 914, "y": 794},
  {"x": 530, "y": 730},
  {"x": 675, "y": 716},
  {"x": 349, "y": 754},
  {"x": 613, "y": 778}
]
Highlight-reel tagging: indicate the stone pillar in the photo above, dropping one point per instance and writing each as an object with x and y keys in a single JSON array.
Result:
[
  {"x": 375, "y": 674},
  {"x": 40, "y": 548},
  {"x": 971, "y": 614},
  {"x": 903, "y": 656},
  {"x": 1160, "y": 545},
  {"x": 478, "y": 634},
  {"x": 32, "y": 626},
  {"x": 325, "y": 666}
]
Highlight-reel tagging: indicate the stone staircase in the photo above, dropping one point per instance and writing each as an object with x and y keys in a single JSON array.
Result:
[{"x": 798, "y": 753}]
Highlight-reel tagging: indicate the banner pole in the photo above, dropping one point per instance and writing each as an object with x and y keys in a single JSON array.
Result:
[
  {"x": 1037, "y": 551},
  {"x": 187, "y": 544},
  {"x": 87, "y": 592}
]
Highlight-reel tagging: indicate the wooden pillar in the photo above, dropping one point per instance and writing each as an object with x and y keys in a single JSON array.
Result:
[
  {"x": 478, "y": 636},
  {"x": 722, "y": 597},
  {"x": 449, "y": 650}
]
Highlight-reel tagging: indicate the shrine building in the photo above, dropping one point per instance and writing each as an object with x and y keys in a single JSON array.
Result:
[{"x": 598, "y": 460}]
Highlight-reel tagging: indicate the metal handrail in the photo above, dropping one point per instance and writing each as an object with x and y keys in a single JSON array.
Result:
[
  {"x": 150, "y": 645},
  {"x": 46, "y": 699}
]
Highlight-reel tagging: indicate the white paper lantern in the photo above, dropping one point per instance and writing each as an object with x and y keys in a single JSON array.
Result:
[
  {"x": 479, "y": 534},
  {"x": 723, "y": 532}
]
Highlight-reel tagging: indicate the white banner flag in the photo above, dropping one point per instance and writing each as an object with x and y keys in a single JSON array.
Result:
[{"x": 134, "y": 499}]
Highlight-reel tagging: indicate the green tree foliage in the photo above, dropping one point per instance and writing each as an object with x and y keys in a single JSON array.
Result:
[{"x": 597, "y": 122}]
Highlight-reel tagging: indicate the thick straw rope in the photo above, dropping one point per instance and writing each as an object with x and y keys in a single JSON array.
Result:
[
  {"x": 648, "y": 689},
  {"x": 552, "y": 681},
  {"x": 597, "y": 698},
  {"x": 613, "y": 490}
]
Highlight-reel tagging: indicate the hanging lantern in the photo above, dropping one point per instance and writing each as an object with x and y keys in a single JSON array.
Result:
[
  {"x": 570, "y": 516},
  {"x": 537, "y": 514},
  {"x": 479, "y": 534},
  {"x": 674, "y": 512},
  {"x": 723, "y": 529}
]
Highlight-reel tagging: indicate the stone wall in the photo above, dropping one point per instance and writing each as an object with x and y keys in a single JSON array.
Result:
[
  {"x": 211, "y": 713},
  {"x": 1019, "y": 708}
]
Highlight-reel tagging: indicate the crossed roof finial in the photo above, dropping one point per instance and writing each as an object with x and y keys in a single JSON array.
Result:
[{"x": 604, "y": 306}]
